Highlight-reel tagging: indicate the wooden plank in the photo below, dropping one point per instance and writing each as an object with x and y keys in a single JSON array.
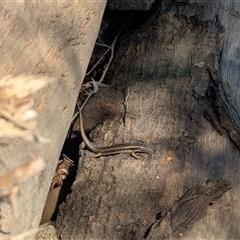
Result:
[{"x": 51, "y": 39}]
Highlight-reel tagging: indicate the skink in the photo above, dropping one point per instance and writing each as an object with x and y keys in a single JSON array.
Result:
[{"x": 114, "y": 149}]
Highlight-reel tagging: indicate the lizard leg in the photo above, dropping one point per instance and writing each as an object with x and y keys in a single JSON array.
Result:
[
  {"x": 96, "y": 156},
  {"x": 133, "y": 153}
]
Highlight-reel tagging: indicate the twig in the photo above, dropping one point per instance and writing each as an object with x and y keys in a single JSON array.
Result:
[
  {"x": 112, "y": 48},
  {"x": 95, "y": 65}
]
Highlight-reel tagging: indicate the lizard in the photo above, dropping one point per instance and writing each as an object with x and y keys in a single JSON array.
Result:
[{"x": 131, "y": 148}]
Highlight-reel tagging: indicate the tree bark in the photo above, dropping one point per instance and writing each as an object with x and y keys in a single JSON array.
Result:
[
  {"x": 53, "y": 39},
  {"x": 169, "y": 91}
]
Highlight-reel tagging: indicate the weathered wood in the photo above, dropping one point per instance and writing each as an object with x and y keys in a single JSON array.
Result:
[
  {"x": 162, "y": 82},
  {"x": 186, "y": 212},
  {"x": 51, "y": 39}
]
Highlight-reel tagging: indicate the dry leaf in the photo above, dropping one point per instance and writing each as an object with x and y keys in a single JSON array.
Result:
[{"x": 17, "y": 117}]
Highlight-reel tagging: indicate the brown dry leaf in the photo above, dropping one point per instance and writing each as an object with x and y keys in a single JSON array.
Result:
[
  {"x": 17, "y": 117},
  {"x": 61, "y": 171},
  {"x": 21, "y": 86}
]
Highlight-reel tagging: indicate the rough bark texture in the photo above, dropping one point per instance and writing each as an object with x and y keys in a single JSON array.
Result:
[
  {"x": 53, "y": 39},
  {"x": 163, "y": 86}
]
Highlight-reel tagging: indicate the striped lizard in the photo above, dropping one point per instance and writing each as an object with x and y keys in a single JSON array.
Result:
[{"x": 131, "y": 148}]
